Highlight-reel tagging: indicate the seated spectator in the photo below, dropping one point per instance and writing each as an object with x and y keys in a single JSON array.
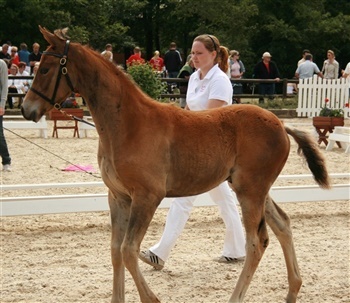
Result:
[
  {"x": 14, "y": 85},
  {"x": 135, "y": 58},
  {"x": 14, "y": 56},
  {"x": 23, "y": 54},
  {"x": 292, "y": 88},
  {"x": 35, "y": 69},
  {"x": 22, "y": 72},
  {"x": 4, "y": 52},
  {"x": 34, "y": 56}
]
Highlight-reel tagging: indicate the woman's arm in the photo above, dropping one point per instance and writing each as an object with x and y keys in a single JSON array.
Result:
[{"x": 213, "y": 103}]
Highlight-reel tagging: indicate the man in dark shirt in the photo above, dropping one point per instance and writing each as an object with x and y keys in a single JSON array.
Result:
[
  {"x": 266, "y": 69},
  {"x": 34, "y": 56},
  {"x": 4, "y": 52},
  {"x": 172, "y": 61}
]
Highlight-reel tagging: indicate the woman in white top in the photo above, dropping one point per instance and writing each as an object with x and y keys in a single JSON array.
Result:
[
  {"x": 330, "y": 67},
  {"x": 208, "y": 87}
]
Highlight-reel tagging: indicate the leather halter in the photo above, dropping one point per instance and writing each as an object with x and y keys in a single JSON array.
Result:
[{"x": 63, "y": 71}]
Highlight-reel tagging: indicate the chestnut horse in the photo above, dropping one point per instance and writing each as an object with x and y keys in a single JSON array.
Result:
[{"x": 148, "y": 151}]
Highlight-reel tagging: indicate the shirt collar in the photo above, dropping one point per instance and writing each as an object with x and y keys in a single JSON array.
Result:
[{"x": 210, "y": 73}]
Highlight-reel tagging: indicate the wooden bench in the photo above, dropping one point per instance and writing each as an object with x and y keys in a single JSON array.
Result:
[
  {"x": 340, "y": 134},
  {"x": 41, "y": 126}
]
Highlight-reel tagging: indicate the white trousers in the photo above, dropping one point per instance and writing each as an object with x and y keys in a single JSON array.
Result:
[{"x": 179, "y": 212}]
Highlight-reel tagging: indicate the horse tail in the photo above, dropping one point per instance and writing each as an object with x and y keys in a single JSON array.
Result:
[{"x": 310, "y": 150}]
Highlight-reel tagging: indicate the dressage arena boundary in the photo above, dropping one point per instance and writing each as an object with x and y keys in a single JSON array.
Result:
[{"x": 16, "y": 206}]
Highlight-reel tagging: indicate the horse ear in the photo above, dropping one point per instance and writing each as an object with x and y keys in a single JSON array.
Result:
[
  {"x": 62, "y": 33},
  {"x": 49, "y": 37}
]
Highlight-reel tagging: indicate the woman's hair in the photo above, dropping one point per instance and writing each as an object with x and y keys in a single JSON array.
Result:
[
  {"x": 233, "y": 53},
  {"x": 212, "y": 43},
  {"x": 21, "y": 64},
  {"x": 330, "y": 52},
  {"x": 14, "y": 66}
]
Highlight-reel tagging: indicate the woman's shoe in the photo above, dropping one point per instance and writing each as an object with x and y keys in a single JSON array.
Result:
[{"x": 150, "y": 258}]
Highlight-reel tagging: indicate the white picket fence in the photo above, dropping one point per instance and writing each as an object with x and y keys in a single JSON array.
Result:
[
  {"x": 313, "y": 92},
  {"x": 18, "y": 206}
]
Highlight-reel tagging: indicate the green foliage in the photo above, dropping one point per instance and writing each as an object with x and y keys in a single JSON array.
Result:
[
  {"x": 148, "y": 80},
  {"x": 284, "y": 28},
  {"x": 330, "y": 112}
]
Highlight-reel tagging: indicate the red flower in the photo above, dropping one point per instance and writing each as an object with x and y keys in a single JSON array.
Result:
[
  {"x": 346, "y": 104},
  {"x": 326, "y": 100}
]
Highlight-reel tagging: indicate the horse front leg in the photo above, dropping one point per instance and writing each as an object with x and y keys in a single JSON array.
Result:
[
  {"x": 253, "y": 213},
  {"x": 142, "y": 210},
  {"x": 120, "y": 210},
  {"x": 279, "y": 222}
]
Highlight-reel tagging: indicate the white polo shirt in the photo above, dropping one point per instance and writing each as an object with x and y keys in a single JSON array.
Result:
[{"x": 215, "y": 85}]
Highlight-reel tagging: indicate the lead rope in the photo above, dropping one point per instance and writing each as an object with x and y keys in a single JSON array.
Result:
[
  {"x": 74, "y": 117},
  {"x": 85, "y": 171}
]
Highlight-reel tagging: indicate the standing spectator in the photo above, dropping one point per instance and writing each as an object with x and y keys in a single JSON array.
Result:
[
  {"x": 237, "y": 70},
  {"x": 209, "y": 87},
  {"x": 34, "y": 56},
  {"x": 135, "y": 58},
  {"x": 108, "y": 48},
  {"x": 307, "y": 69},
  {"x": 157, "y": 62},
  {"x": 4, "y": 153},
  {"x": 14, "y": 56},
  {"x": 172, "y": 61},
  {"x": 330, "y": 69},
  {"x": 346, "y": 73},
  {"x": 185, "y": 73},
  {"x": 107, "y": 55},
  {"x": 4, "y": 52},
  {"x": 266, "y": 69},
  {"x": 23, "y": 54},
  {"x": 302, "y": 60}
]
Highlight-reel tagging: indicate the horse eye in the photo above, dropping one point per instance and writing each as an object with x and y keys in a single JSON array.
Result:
[{"x": 44, "y": 70}]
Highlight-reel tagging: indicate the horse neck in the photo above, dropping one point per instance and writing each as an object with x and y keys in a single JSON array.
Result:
[{"x": 109, "y": 93}]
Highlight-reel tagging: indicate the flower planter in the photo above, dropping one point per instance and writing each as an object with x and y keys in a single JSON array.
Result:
[
  {"x": 325, "y": 125},
  {"x": 57, "y": 115},
  {"x": 323, "y": 122}
]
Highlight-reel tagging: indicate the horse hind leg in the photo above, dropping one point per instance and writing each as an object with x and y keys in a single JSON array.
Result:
[
  {"x": 279, "y": 222},
  {"x": 257, "y": 241}
]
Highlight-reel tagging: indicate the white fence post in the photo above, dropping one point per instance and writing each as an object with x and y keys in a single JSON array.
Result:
[{"x": 313, "y": 92}]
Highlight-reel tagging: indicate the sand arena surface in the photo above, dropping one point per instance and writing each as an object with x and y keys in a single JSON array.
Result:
[{"x": 66, "y": 257}]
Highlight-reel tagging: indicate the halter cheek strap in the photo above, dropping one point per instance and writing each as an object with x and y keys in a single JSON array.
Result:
[{"x": 63, "y": 71}]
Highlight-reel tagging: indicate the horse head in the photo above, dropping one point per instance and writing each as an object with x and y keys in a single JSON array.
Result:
[{"x": 52, "y": 83}]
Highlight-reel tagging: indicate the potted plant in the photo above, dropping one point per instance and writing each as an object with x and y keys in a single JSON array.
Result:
[{"x": 329, "y": 117}]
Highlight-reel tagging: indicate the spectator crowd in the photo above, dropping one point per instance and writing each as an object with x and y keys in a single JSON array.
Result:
[{"x": 22, "y": 62}]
